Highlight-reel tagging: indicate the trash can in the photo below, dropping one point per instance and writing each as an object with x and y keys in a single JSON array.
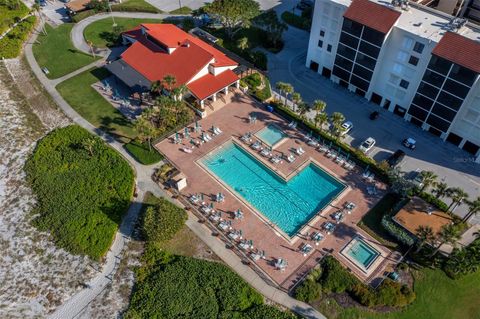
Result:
[{"x": 270, "y": 108}]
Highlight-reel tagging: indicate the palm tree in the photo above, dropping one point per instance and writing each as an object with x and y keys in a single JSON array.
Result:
[
  {"x": 441, "y": 189},
  {"x": 36, "y": 9},
  {"x": 458, "y": 197},
  {"x": 319, "y": 106},
  {"x": 155, "y": 87},
  {"x": 145, "y": 127},
  {"x": 473, "y": 208},
  {"x": 296, "y": 98},
  {"x": 179, "y": 91},
  {"x": 424, "y": 235},
  {"x": 449, "y": 234},
  {"x": 321, "y": 119},
  {"x": 242, "y": 43},
  {"x": 337, "y": 119},
  {"x": 280, "y": 86},
  {"x": 288, "y": 89},
  {"x": 169, "y": 81},
  {"x": 302, "y": 109},
  {"x": 428, "y": 178}
]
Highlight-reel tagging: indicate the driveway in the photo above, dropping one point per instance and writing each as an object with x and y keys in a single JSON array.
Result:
[
  {"x": 450, "y": 163},
  {"x": 55, "y": 12}
]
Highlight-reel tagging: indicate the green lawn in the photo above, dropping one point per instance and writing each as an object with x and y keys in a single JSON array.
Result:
[
  {"x": 371, "y": 222},
  {"x": 135, "y": 6},
  {"x": 100, "y": 32},
  {"x": 438, "y": 297},
  {"x": 77, "y": 91},
  {"x": 56, "y": 52},
  {"x": 143, "y": 153},
  {"x": 182, "y": 10},
  {"x": 82, "y": 187}
]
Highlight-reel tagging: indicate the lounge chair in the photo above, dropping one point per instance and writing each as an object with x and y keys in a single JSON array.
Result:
[
  {"x": 187, "y": 150},
  {"x": 306, "y": 249},
  {"x": 291, "y": 158},
  {"x": 300, "y": 151},
  {"x": 372, "y": 190},
  {"x": 194, "y": 199},
  {"x": 317, "y": 238},
  {"x": 256, "y": 146},
  {"x": 275, "y": 160},
  {"x": 266, "y": 153},
  {"x": 313, "y": 143}
]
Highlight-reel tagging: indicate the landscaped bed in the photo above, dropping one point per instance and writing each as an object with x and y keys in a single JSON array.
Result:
[
  {"x": 143, "y": 153},
  {"x": 135, "y": 6},
  {"x": 56, "y": 52},
  {"x": 78, "y": 92},
  {"x": 102, "y": 34},
  {"x": 83, "y": 188}
]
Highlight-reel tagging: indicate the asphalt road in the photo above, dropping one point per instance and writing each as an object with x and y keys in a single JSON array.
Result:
[{"x": 450, "y": 163}]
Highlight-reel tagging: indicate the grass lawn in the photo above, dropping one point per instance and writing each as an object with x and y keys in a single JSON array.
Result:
[
  {"x": 142, "y": 153},
  {"x": 78, "y": 92},
  {"x": 371, "y": 222},
  {"x": 438, "y": 297},
  {"x": 100, "y": 32},
  {"x": 56, "y": 52},
  {"x": 182, "y": 10},
  {"x": 135, "y": 6}
]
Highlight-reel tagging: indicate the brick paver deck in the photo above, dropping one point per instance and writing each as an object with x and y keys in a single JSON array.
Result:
[{"x": 233, "y": 120}]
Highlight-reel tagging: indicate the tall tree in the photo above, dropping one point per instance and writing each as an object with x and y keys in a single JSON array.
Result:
[
  {"x": 337, "y": 119},
  {"x": 156, "y": 87},
  {"x": 320, "y": 119},
  {"x": 242, "y": 43},
  {"x": 269, "y": 22},
  {"x": 424, "y": 235},
  {"x": 458, "y": 197},
  {"x": 441, "y": 189},
  {"x": 428, "y": 179},
  {"x": 145, "y": 126},
  {"x": 319, "y": 106},
  {"x": 296, "y": 98},
  {"x": 449, "y": 234},
  {"x": 473, "y": 208},
  {"x": 280, "y": 86},
  {"x": 303, "y": 109},
  {"x": 233, "y": 14},
  {"x": 169, "y": 82},
  {"x": 288, "y": 89}
]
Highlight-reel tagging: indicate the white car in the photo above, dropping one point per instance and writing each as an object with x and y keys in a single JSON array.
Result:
[
  {"x": 346, "y": 127},
  {"x": 367, "y": 145}
]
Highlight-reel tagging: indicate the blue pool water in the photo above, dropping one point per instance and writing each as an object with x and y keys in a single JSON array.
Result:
[
  {"x": 363, "y": 253},
  {"x": 271, "y": 135},
  {"x": 288, "y": 205}
]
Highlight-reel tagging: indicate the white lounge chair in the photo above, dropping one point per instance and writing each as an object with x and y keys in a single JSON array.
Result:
[
  {"x": 300, "y": 151},
  {"x": 266, "y": 153},
  {"x": 291, "y": 158}
]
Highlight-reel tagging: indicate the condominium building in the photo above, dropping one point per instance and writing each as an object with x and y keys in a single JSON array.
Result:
[{"x": 421, "y": 64}]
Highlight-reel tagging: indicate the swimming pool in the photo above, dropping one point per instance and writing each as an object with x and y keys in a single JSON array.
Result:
[
  {"x": 361, "y": 252},
  {"x": 271, "y": 135},
  {"x": 290, "y": 204}
]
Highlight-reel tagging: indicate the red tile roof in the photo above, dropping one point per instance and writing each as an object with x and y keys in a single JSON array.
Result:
[
  {"x": 209, "y": 84},
  {"x": 460, "y": 50},
  {"x": 189, "y": 57},
  {"x": 372, "y": 15}
]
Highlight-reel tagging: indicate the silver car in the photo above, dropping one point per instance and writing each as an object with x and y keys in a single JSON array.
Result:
[{"x": 367, "y": 145}]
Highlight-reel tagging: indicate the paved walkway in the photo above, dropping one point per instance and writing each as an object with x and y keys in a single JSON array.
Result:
[{"x": 75, "y": 305}]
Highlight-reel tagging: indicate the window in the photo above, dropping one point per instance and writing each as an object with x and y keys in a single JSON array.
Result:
[
  {"x": 404, "y": 84},
  {"x": 407, "y": 43},
  {"x": 413, "y": 60},
  {"x": 397, "y": 68},
  {"x": 320, "y": 43},
  {"x": 418, "y": 47},
  {"x": 352, "y": 27},
  {"x": 365, "y": 61},
  {"x": 344, "y": 63},
  {"x": 346, "y": 52},
  {"x": 463, "y": 75},
  {"x": 347, "y": 39},
  {"x": 402, "y": 56},
  {"x": 369, "y": 49},
  {"x": 322, "y": 33},
  {"x": 439, "y": 65},
  {"x": 329, "y": 48},
  {"x": 373, "y": 36}
]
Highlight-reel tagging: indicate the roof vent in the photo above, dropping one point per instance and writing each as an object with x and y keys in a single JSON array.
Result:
[
  {"x": 186, "y": 44},
  {"x": 402, "y": 4},
  {"x": 418, "y": 24},
  {"x": 456, "y": 23}
]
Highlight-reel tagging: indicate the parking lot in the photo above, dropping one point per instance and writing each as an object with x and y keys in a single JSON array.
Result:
[{"x": 450, "y": 163}]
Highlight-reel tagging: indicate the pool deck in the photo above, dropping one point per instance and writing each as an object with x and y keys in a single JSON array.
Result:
[{"x": 232, "y": 119}]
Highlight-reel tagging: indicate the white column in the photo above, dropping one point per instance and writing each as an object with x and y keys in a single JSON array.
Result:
[
  {"x": 225, "y": 89},
  {"x": 214, "y": 97},
  {"x": 237, "y": 84},
  {"x": 202, "y": 104}
]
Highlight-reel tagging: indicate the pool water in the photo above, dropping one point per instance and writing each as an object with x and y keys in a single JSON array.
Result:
[
  {"x": 290, "y": 204},
  {"x": 271, "y": 135},
  {"x": 363, "y": 253}
]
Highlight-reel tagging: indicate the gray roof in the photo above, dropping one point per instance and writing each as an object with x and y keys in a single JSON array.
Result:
[{"x": 129, "y": 76}]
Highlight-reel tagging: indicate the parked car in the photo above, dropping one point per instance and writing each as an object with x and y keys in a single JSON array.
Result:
[
  {"x": 346, "y": 127},
  {"x": 374, "y": 115},
  {"x": 417, "y": 178},
  {"x": 410, "y": 143},
  {"x": 45, "y": 70},
  {"x": 367, "y": 145},
  {"x": 396, "y": 158}
]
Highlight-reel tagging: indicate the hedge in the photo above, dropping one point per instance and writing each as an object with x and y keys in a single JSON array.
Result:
[
  {"x": 397, "y": 232},
  {"x": 11, "y": 44},
  {"x": 253, "y": 81},
  {"x": 433, "y": 200},
  {"x": 355, "y": 154},
  {"x": 163, "y": 220},
  {"x": 296, "y": 21},
  {"x": 82, "y": 187},
  {"x": 143, "y": 153}
]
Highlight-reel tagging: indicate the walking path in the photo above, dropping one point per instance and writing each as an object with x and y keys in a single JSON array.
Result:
[{"x": 77, "y": 303}]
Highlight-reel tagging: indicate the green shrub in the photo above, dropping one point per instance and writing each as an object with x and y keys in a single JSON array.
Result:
[
  {"x": 259, "y": 59},
  {"x": 393, "y": 294},
  {"x": 83, "y": 188},
  {"x": 296, "y": 21},
  {"x": 253, "y": 80},
  {"x": 82, "y": 15},
  {"x": 265, "y": 312},
  {"x": 335, "y": 278},
  {"x": 397, "y": 232},
  {"x": 309, "y": 290},
  {"x": 143, "y": 153},
  {"x": 11, "y": 44},
  {"x": 135, "y": 6},
  {"x": 364, "y": 295},
  {"x": 163, "y": 220},
  {"x": 433, "y": 200},
  {"x": 188, "y": 24}
]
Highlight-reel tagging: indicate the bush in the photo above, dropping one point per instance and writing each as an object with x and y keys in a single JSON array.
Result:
[
  {"x": 296, "y": 21},
  {"x": 397, "y": 232},
  {"x": 83, "y": 188},
  {"x": 253, "y": 81},
  {"x": 11, "y": 44},
  {"x": 135, "y": 6},
  {"x": 259, "y": 59},
  {"x": 188, "y": 24},
  {"x": 162, "y": 221},
  {"x": 433, "y": 200},
  {"x": 364, "y": 295},
  {"x": 335, "y": 278},
  {"x": 355, "y": 155},
  {"x": 82, "y": 15},
  {"x": 266, "y": 312},
  {"x": 309, "y": 290},
  {"x": 394, "y": 294}
]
